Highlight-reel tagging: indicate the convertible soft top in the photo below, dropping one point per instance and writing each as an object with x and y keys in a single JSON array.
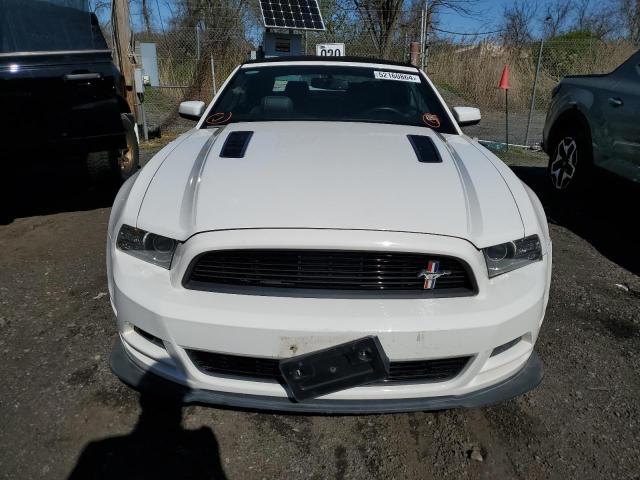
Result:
[{"x": 315, "y": 58}]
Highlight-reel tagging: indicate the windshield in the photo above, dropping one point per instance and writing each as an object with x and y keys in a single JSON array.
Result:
[
  {"x": 48, "y": 25},
  {"x": 329, "y": 93}
]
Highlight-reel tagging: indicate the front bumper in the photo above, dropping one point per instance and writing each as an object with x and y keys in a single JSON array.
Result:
[
  {"x": 506, "y": 307},
  {"x": 527, "y": 378}
]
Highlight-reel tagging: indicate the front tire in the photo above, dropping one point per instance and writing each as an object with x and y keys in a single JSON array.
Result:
[{"x": 570, "y": 161}]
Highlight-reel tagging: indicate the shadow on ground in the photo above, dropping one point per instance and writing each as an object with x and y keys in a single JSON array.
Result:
[
  {"x": 46, "y": 186},
  {"x": 606, "y": 215},
  {"x": 157, "y": 448}
]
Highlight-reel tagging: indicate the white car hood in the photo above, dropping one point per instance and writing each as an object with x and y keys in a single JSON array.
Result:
[{"x": 332, "y": 176}]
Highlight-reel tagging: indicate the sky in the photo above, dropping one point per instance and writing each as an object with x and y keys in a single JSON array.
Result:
[{"x": 487, "y": 18}]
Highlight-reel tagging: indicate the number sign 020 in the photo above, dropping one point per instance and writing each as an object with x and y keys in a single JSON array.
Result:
[{"x": 330, "y": 49}]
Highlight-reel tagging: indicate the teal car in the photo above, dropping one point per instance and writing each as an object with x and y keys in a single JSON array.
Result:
[{"x": 594, "y": 122}]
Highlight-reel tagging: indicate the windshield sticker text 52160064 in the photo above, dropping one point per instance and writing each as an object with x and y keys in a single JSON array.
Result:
[{"x": 402, "y": 77}]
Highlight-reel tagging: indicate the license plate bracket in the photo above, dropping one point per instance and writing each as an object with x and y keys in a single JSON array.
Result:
[{"x": 335, "y": 368}]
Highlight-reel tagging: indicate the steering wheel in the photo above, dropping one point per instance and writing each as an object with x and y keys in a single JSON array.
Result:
[{"x": 383, "y": 110}]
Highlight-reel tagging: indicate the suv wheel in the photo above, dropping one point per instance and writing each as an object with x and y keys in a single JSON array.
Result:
[
  {"x": 570, "y": 161},
  {"x": 117, "y": 165},
  {"x": 128, "y": 159}
]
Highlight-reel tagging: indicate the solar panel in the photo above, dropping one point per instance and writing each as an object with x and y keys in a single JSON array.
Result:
[{"x": 298, "y": 14}]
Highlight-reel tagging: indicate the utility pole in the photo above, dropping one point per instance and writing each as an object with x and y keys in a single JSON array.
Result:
[
  {"x": 421, "y": 59},
  {"x": 121, "y": 24},
  {"x": 427, "y": 25},
  {"x": 424, "y": 35}
]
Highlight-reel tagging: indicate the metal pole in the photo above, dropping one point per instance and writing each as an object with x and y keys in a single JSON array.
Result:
[
  {"x": 197, "y": 41},
  {"x": 427, "y": 23},
  {"x": 506, "y": 108},
  {"x": 533, "y": 93},
  {"x": 421, "y": 37},
  {"x": 404, "y": 49},
  {"x": 145, "y": 127},
  {"x": 213, "y": 76}
]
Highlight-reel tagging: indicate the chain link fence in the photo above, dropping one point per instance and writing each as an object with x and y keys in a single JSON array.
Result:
[
  {"x": 469, "y": 75},
  {"x": 194, "y": 61},
  {"x": 190, "y": 66}
]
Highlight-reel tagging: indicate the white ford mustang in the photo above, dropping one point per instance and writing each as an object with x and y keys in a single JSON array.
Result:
[{"x": 327, "y": 240}]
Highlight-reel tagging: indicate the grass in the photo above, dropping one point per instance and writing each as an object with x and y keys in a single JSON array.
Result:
[{"x": 472, "y": 73}]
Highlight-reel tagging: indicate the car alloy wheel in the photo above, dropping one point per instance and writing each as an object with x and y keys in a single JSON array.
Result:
[{"x": 565, "y": 160}]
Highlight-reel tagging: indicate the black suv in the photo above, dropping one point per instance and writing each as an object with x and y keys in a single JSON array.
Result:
[{"x": 60, "y": 92}]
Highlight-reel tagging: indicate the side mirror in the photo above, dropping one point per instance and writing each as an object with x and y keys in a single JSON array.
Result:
[
  {"x": 191, "y": 110},
  {"x": 466, "y": 116}
]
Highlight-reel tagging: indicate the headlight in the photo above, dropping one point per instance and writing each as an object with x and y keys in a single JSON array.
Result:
[
  {"x": 147, "y": 246},
  {"x": 511, "y": 255}
]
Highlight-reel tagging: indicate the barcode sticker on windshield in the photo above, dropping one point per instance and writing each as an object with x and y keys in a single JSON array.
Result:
[{"x": 402, "y": 77}]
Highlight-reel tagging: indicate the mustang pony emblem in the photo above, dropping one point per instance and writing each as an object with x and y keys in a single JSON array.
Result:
[{"x": 431, "y": 274}]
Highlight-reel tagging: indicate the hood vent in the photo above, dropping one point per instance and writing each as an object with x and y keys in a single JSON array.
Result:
[
  {"x": 236, "y": 144},
  {"x": 425, "y": 149}
]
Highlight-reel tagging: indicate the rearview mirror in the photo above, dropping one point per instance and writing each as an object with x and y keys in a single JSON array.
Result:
[
  {"x": 191, "y": 110},
  {"x": 466, "y": 116},
  {"x": 326, "y": 83}
]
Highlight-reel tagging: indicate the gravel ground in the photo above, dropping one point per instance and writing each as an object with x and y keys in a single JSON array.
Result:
[{"x": 61, "y": 409}]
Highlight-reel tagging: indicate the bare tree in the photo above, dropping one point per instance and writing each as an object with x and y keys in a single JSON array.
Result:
[
  {"x": 382, "y": 17},
  {"x": 582, "y": 13},
  {"x": 556, "y": 17},
  {"x": 597, "y": 18},
  {"x": 338, "y": 18},
  {"x": 146, "y": 15},
  {"x": 629, "y": 11},
  {"x": 97, "y": 5},
  {"x": 459, "y": 7},
  {"x": 517, "y": 22}
]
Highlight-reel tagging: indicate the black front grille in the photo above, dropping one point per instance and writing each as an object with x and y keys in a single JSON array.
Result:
[
  {"x": 267, "y": 368},
  {"x": 356, "y": 271}
]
